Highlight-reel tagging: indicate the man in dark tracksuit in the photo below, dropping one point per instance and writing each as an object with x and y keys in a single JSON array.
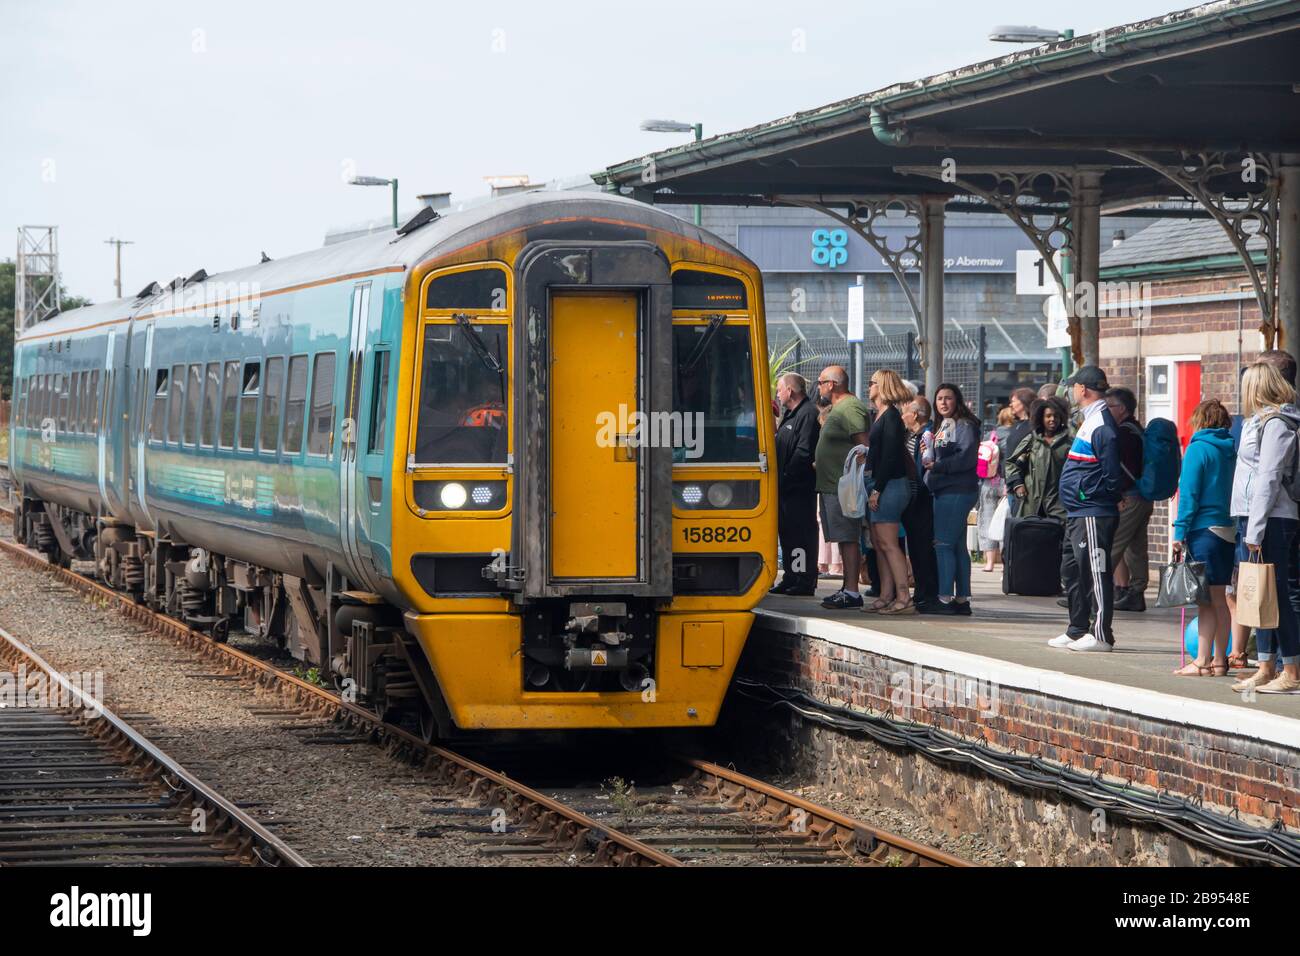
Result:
[
  {"x": 1090, "y": 492},
  {"x": 796, "y": 441}
]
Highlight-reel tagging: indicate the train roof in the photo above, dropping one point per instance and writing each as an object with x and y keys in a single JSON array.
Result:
[{"x": 382, "y": 251}]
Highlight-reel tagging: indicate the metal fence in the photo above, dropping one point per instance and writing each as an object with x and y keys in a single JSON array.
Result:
[{"x": 963, "y": 360}]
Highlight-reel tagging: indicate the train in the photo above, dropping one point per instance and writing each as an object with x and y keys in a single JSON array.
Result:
[{"x": 499, "y": 469}]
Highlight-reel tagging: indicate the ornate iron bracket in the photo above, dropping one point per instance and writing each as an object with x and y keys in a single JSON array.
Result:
[
  {"x": 1039, "y": 201},
  {"x": 1194, "y": 175},
  {"x": 864, "y": 216}
]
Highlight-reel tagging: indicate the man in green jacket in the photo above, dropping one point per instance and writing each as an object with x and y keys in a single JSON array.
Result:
[{"x": 845, "y": 426}]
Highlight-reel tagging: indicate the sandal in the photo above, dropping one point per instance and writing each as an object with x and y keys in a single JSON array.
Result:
[
  {"x": 875, "y": 607},
  {"x": 1237, "y": 662},
  {"x": 1193, "y": 669},
  {"x": 906, "y": 607}
]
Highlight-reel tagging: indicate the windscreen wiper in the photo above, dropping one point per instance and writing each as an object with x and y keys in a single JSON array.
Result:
[
  {"x": 715, "y": 323},
  {"x": 485, "y": 355}
]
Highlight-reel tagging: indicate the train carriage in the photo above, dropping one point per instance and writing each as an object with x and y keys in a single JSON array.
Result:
[{"x": 505, "y": 468}]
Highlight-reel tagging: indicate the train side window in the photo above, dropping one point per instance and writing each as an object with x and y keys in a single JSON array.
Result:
[
  {"x": 20, "y": 402},
  {"x": 248, "y": 405},
  {"x": 271, "y": 403},
  {"x": 296, "y": 406},
  {"x": 379, "y": 406},
  {"x": 94, "y": 402},
  {"x": 83, "y": 406},
  {"x": 479, "y": 290},
  {"x": 74, "y": 414},
  {"x": 229, "y": 405},
  {"x": 193, "y": 400},
  {"x": 64, "y": 384},
  {"x": 34, "y": 400},
  {"x": 320, "y": 437},
  {"x": 211, "y": 405},
  {"x": 176, "y": 405},
  {"x": 142, "y": 396},
  {"x": 74, "y": 404},
  {"x": 49, "y": 400},
  {"x": 158, "y": 423}
]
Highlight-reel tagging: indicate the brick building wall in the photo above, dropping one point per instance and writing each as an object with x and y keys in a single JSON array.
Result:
[{"x": 1213, "y": 318}]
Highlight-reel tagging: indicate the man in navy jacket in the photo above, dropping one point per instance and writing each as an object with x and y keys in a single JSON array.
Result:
[{"x": 1090, "y": 492}]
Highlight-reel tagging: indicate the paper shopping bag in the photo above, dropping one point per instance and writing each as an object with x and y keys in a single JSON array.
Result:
[{"x": 1256, "y": 595}]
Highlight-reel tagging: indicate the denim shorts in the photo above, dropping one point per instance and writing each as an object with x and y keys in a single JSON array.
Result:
[
  {"x": 1216, "y": 554},
  {"x": 893, "y": 500}
]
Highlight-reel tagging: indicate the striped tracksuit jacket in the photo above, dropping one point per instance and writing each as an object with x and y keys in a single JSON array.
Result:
[{"x": 1090, "y": 492}]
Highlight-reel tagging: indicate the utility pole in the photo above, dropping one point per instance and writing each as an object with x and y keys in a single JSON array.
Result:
[{"x": 119, "y": 243}]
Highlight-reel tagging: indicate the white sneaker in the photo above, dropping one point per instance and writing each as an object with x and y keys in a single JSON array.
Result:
[
  {"x": 1065, "y": 640},
  {"x": 1090, "y": 643}
]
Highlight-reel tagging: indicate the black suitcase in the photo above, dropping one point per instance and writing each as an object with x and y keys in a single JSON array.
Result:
[{"x": 1031, "y": 556}]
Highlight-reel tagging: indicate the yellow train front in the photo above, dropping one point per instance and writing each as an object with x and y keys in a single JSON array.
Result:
[{"x": 585, "y": 512}]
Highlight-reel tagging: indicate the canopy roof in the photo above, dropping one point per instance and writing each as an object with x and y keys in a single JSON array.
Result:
[{"x": 1222, "y": 76}]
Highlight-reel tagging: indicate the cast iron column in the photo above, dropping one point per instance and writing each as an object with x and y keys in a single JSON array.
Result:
[{"x": 932, "y": 295}]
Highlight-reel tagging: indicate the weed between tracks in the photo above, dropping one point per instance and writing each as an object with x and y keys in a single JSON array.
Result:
[{"x": 622, "y": 795}]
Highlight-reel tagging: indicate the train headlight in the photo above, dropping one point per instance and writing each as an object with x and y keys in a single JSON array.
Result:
[
  {"x": 720, "y": 494},
  {"x": 453, "y": 495},
  {"x": 434, "y": 495},
  {"x": 716, "y": 495}
]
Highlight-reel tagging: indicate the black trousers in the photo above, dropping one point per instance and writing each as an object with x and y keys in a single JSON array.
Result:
[
  {"x": 1086, "y": 573},
  {"x": 918, "y": 526},
  {"x": 797, "y": 527}
]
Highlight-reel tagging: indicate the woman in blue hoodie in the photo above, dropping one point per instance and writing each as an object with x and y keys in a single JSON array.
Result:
[{"x": 1204, "y": 531}]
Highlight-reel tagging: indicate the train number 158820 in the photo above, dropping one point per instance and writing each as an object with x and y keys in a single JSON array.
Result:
[{"x": 718, "y": 535}]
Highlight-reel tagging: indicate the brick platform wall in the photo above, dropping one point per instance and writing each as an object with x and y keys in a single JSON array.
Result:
[{"x": 1226, "y": 771}]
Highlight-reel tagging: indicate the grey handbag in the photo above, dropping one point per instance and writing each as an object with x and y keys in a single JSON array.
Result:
[{"x": 1182, "y": 583}]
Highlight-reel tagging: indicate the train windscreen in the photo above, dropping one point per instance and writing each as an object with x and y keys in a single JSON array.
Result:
[
  {"x": 714, "y": 384},
  {"x": 463, "y": 382}
]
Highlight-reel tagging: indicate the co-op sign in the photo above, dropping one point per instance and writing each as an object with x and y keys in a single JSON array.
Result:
[{"x": 800, "y": 249}]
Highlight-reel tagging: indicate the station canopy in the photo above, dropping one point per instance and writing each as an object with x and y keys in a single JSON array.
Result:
[{"x": 1220, "y": 78}]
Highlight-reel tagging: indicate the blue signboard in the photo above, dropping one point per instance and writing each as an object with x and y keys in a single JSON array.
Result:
[{"x": 983, "y": 248}]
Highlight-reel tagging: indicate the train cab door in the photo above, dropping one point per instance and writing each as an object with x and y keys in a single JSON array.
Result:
[
  {"x": 594, "y": 521},
  {"x": 593, "y": 507},
  {"x": 354, "y": 502}
]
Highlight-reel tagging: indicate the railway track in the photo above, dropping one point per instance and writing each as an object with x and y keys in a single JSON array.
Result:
[
  {"x": 708, "y": 814},
  {"x": 705, "y": 814},
  {"x": 80, "y": 786}
]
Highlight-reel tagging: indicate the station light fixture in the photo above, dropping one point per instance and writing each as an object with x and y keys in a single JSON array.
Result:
[
  {"x": 378, "y": 181},
  {"x": 1023, "y": 34},
  {"x": 676, "y": 126}
]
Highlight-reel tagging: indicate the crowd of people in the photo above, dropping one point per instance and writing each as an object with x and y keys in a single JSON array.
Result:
[{"x": 882, "y": 493}]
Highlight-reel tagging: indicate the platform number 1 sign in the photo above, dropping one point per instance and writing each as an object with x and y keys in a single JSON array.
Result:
[{"x": 1033, "y": 275}]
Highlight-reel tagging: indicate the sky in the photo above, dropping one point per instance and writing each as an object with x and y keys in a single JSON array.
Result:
[{"x": 207, "y": 132}]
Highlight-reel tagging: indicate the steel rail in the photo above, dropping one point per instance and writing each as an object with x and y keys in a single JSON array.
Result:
[
  {"x": 564, "y": 826},
  {"x": 828, "y": 827},
  {"x": 239, "y": 836}
]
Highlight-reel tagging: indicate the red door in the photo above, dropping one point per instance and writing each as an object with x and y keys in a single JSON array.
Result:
[{"x": 1186, "y": 397}]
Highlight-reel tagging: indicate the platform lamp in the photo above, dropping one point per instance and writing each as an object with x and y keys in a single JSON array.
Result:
[
  {"x": 675, "y": 126},
  {"x": 378, "y": 181},
  {"x": 1019, "y": 34}
]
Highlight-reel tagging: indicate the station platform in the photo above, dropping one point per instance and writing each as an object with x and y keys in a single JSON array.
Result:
[{"x": 1123, "y": 714}]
